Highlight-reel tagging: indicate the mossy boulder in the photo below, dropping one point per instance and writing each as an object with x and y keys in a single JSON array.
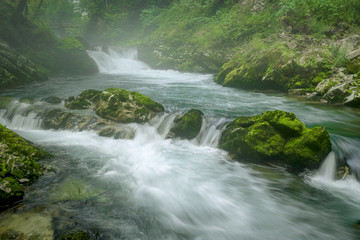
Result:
[
  {"x": 278, "y": 137},
  {"x": 72, "y": 58},
  {"x": 188, "y": 125},
  {"x": 118, "y": 105},
  {"x": 18, "y": 165}
]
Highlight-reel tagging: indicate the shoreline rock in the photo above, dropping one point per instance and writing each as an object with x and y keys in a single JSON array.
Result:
[{"x": 19, "y": 165}]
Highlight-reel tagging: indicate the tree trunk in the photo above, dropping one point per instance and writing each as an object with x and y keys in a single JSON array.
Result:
[{"x": 18, "y": 14}]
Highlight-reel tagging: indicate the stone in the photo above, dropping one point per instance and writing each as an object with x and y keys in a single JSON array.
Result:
[
  {"x": 123, "y": 106},
  {"x": 337, "y": 93},
  {"x": 297, "y": 92},
  {"x": 276, "y": 137},
  {"x": 79, "y": 235},
  {"x": 353, "y": 54},
  {"x": 52, "y": 100},
  {"x": 18, "y": 165},
  {"x": 353, "y": 100},
  {"x": 323, "y": 86},
  {"x": 187, "y": 126}
]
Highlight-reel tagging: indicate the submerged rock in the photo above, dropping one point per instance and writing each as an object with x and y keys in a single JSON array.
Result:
[
  {"x": 26, "y": 225},
  {"x": 79, "y": 235},
  {"x": 279, "y": 137},
  {"x": 188, "y": 125},
  {"x": 18, "y": 165}
]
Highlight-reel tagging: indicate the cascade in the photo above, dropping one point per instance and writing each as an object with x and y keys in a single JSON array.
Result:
[
  {"x": 20, "y": 116},
  {"x": 118, "y": 61},
  {"x": 327, "y": 169}
]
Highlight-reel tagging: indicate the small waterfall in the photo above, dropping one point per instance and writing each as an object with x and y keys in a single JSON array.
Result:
[
  {"x": 210, "y": 132},
  {"x": 118, "y": 61},
  {"x": 20, "y": 116},
  {"x": 327, "y": 169},
  {"x": 163, "y": 123}
]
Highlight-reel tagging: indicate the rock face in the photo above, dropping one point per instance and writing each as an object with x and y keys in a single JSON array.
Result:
[
  {"x": 19, "y": 166},
  {"x": 278, "y": 137},
  {"x": 187, "y": 126},
  {"x": 118, "y": 105},
  {"x": 16, "y": 69}
]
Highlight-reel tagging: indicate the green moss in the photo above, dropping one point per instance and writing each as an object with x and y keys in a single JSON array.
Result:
[
  {"x": 89, "y": 94},
  {"x": 276, "y": 136},
  {"x": 284, "y": 122},
  {"x": 353, "y": 66},
  {"x": 187, "y": 126},
  {"x": 71, "y": 44},
  {"x": 147, "y": 102},
  {"x": 10, "y": 191},
  {"x": 78, "y": 103},
  {"x": 309, "y": 149},
  {"x": 264, "y": 140}
]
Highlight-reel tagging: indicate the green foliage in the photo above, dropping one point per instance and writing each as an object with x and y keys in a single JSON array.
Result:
[
  {"x": 338, "y": 56},
  {"x": 70, "y": 44},
  {"x": 61, "y": 15},
  {"x": 306, "y": 15}
]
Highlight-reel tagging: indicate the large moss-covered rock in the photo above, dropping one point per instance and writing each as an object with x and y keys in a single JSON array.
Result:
[
  {"x": 118, "y": 105},
  {"x": 276, "y": 136},
  {"x": 188, "y": 125},
  {"x": 18, "y": 165},
  {"x": 71, "y": 57}
]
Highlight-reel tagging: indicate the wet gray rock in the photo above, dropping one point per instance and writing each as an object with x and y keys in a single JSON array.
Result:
[
  {"x": 337, "y": 94},
  {"x": 353, "y": 100}
]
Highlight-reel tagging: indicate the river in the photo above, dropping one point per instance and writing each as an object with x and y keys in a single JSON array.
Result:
[{"x": 155, "y": 188}]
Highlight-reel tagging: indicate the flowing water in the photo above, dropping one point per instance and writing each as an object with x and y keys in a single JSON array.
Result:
[{"x": 151, "y": 187}]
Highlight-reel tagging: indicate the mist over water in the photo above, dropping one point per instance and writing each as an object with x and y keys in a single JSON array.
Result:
[{"x": 151, "y": 187}]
